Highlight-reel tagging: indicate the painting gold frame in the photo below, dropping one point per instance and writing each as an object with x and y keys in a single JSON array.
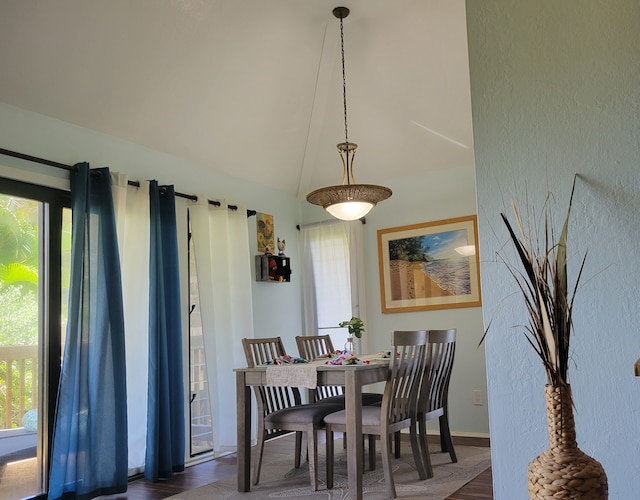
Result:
[{"x": 433, "y": 265}]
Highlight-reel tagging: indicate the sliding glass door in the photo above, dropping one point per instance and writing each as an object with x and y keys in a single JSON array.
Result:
[
  {"x": 35, "y": 229},
  {"x": 201, "y": 421}
]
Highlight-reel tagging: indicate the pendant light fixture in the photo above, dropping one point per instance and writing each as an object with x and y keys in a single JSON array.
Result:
[{"x": 347, "y": 201}]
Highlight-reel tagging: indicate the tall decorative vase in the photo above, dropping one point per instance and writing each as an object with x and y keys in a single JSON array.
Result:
[{"x": 564, "y": 471}]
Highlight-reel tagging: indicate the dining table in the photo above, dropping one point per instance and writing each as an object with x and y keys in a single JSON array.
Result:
[{"x": 353, "y": 377}]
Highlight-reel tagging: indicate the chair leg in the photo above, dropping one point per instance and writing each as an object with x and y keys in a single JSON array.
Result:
[
  {"x": 416, "y": 449},
  {"x": 329, "y": 446},
  {"x": 446, "y": 442},
  {"x": 385, "y": 443},
  {"x": 396, "y": 443},
  {"x": 424, "y": 445},
  {"x": 312, "y": 452},
  {"x": 372, "y": 452},
  {"x": 298, "y": 449},
  {"x": 257, "y": 460},
  {"x": 258, "y": 452}
]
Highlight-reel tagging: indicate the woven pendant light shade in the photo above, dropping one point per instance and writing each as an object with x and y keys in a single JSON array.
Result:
[{"x": 349, "y": 201}]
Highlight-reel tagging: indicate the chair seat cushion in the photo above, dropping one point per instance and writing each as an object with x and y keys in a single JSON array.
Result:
[
  {"x": 301, "y": 414},
  {"x": 371, "y": 416}
]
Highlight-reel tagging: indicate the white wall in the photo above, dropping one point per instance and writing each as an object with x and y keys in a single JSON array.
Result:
[
  {"x": 276, "y": 306},
  {"x": 438, "y": 195},
  {"x": 555, "y": 91}
]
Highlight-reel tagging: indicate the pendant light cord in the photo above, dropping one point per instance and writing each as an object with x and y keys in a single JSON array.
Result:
[{"x": 344, "y": 84}]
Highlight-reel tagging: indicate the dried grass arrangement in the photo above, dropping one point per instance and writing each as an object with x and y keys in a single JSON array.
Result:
[
  {"x": 563, "y": 470},
  {"x": 543, "y": 283}
]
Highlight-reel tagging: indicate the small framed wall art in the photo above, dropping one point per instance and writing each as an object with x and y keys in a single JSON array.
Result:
[{"x": 264, "y": 232}]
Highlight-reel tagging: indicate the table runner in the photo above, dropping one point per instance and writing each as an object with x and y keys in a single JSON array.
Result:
[
  {"x": 295, "y": 375},
  {"x": 305, "y": 374}
]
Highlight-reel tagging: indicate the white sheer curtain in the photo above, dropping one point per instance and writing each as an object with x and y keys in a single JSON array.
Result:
[
  {"x": 333, "y": 289},
  {"x": 131, "y": 205},
  {"x": 221, "y": 242}
]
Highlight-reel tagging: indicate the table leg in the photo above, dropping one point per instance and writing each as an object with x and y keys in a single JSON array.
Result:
[
  {"x": 243, "y": 408},
  {"x": 353, "y": 406}
]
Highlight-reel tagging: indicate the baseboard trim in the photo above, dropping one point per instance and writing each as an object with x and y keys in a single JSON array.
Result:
[
  {"x": 476, "y": 435},
  {"x": 471, "y": 434},
  {"x": 472, "y": 441},
  {"x": 463, "y": 439}
]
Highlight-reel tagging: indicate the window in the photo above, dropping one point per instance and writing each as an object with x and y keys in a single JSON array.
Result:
[
  {"x": 330, "y": 286},
  {"x": 35, "y": 245}
]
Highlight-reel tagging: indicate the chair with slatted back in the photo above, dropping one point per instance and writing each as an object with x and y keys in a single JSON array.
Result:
[
  {"x": 312, "y": 347},
  {"x": 398, "y": 409},
  {"x": 280, "y": 410},
  {"x": 433, "y": 402}
]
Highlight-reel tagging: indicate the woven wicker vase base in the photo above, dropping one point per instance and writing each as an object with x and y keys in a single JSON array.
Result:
[
  {"x": 564, "y": 471},
  {"x": 570, "y": 475}
]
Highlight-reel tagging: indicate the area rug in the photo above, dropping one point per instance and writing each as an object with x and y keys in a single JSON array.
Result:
[{"x": 279, "y": 479}]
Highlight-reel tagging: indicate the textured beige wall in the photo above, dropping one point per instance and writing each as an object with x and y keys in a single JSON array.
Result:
[{"x": 555, "y": 91}]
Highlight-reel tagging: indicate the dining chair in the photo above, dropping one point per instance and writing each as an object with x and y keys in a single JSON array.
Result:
[
  {"x": 311, "y": 347},
  {"x": 434, "y": 393},
  {"x": 280, "y": 410},
  {"x": 398, "y": 408}
]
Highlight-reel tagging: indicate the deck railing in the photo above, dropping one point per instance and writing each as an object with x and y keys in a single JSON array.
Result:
[{"x": 18, "y": 383}]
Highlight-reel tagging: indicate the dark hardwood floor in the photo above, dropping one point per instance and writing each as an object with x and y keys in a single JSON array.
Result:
[
  {"x": 204, "y": 473},
  {"x": 479, "y": 488}
]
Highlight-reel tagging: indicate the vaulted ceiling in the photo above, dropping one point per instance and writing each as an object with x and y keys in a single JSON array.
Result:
[{"x": 252, "y": 88}]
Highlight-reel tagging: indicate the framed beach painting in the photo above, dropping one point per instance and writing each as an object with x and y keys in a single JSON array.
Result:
[{"x": 433, "y": 265}]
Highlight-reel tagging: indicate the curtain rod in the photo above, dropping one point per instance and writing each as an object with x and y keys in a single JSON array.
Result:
[
  {"x": 324, "y": 222},
  {"x": 73, "y": 168}
]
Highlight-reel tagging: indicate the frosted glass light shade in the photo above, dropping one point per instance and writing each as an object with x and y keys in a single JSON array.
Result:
[{"x": 350, "y": 210}]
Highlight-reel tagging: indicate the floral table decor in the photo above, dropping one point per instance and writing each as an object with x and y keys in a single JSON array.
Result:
[
  {"x": 286, "y": 360},
  {"x": 346, "y": 358},
  {"x": 563, "y": 470}
]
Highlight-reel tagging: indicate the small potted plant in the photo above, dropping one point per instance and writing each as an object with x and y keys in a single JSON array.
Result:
[{"x": 356, "y": 329}]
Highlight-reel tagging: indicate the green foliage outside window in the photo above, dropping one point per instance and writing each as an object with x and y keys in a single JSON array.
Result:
[{"x": 18, "y": 300}]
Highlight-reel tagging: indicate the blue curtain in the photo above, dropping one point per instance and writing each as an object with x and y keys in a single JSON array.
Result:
[
  {"x": 89, "y": 455},
  {"x": 165, "y": 421}
]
